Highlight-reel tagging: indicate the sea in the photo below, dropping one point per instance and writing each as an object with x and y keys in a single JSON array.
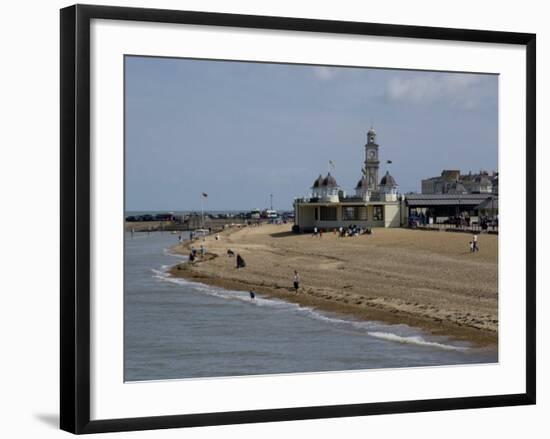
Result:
[{"x": 178, "y": 329}]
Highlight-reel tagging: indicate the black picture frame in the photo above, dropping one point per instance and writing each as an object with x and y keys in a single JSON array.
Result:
[{"x": 75, "y": 217}]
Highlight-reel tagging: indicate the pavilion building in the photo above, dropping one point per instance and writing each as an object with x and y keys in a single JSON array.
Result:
[{"x": 375, "y": 203}]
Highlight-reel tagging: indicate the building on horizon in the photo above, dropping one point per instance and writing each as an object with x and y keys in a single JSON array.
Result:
[
  {"x": 375, "y": 203},
  {"x": 452, "y": 182}
]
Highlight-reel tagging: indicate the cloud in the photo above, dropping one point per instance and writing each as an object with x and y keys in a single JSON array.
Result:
[
  {"x": 461, "y": 90},
  {"x": 324, "y": 73}
]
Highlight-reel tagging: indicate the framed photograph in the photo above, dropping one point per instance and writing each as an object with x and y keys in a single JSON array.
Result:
[{"x": 275, "y": 218}]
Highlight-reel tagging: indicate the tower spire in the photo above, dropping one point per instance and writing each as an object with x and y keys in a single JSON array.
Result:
[{"x": 370, "y": 170}]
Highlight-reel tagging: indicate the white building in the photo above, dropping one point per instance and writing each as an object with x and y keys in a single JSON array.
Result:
[{"x": 375, "y": 203}]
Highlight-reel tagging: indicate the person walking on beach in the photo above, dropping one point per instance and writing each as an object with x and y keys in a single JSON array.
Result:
[
  {"x": 296, "y": 281},
  {"x": 252, "y": 295},
  {"x": 474, "y": 240}
]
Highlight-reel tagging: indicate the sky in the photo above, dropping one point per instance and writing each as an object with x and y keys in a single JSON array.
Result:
[{"x": 240, "y": 131}]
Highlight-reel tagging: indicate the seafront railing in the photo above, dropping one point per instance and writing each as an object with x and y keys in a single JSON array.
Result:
[{"x": 477, "y": 228}]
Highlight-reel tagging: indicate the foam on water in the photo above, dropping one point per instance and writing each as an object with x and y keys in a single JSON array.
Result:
[
  {"x": 221, "y": 292},
  {"x": 169, "y": 252},
  {"x": 393, "y": 333},
  {"x": 414, "y": 339}
]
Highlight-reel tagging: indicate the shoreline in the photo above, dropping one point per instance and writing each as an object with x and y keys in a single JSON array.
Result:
[{"x": 218, "y": 270}]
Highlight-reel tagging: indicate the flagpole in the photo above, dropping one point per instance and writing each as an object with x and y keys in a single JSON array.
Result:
[{"x": 202, "y": 211}]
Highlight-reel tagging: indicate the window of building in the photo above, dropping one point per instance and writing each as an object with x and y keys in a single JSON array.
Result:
[
  {"x": 378, "y": 213},
  {"x": 328, "y": 213},
  {"x": 350, "y": 213}
]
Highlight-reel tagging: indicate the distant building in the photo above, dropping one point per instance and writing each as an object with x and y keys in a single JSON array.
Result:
[
  {"x": 439, "y": 208},
  {"x": 375, "y": 202},
  {"x": 454, "y": 183}
]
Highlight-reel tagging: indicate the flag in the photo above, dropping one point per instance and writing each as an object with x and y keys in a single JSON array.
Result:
[{"x": 204, "y": 194}]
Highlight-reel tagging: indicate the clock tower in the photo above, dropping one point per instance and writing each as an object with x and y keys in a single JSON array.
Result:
[{"x": 371, "y": 160}]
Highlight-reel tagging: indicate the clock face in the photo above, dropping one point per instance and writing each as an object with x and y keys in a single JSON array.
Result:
[{"x": 372, "y": 154}]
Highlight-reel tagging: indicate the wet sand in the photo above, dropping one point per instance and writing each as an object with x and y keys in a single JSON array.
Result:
[{"x": 424, "y": 279}]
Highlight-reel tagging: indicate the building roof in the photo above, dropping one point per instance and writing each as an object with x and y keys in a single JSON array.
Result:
[
  {"x": 318, "y": 182},
  {"x": 388, "y": 180},
  {"x": 445, "y": 199},
  {"x": 362, "y": 184},
  {"x": 329, "y": 181}
]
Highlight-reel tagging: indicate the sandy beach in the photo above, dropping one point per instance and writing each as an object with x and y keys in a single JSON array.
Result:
[{"x": 423, "y": 279}]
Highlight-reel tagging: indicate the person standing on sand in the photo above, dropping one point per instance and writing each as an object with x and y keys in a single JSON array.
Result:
[
  {"x": 296, "y": 281},
  {"x": 474, "y": 240}
]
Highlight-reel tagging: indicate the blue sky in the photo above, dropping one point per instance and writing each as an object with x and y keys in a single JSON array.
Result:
[{"x": 240, "y": 131}]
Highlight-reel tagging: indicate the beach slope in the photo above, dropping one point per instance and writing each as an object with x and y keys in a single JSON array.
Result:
[{"x": 424, "y": 279}]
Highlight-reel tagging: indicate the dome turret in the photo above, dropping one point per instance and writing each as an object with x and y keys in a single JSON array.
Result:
[
  {"x": 362, "y": 189},
  {"x": 388, "y": 188},
  {"x": 388, "y": 180},
  {"x": 318, "y": 182},
  {"x": 330, "y": 181},
  {"x": 362, "y": 184}
]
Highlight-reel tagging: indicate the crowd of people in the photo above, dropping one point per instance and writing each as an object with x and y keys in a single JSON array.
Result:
[{"x": 343, "y": 232}]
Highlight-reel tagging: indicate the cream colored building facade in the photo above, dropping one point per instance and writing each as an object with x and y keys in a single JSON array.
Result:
[{"x": 374, "y": 204}]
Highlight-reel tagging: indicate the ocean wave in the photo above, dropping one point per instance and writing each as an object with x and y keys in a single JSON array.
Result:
[
  {"x": 392, "y": 333},
  {"x": 222, "y": 293},
  {"x": 414, "y": 339},
  {"x": 362, "y": 325}
]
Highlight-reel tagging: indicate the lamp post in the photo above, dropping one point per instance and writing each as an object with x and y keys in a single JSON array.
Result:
[{"x": 203, "y": 196}]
